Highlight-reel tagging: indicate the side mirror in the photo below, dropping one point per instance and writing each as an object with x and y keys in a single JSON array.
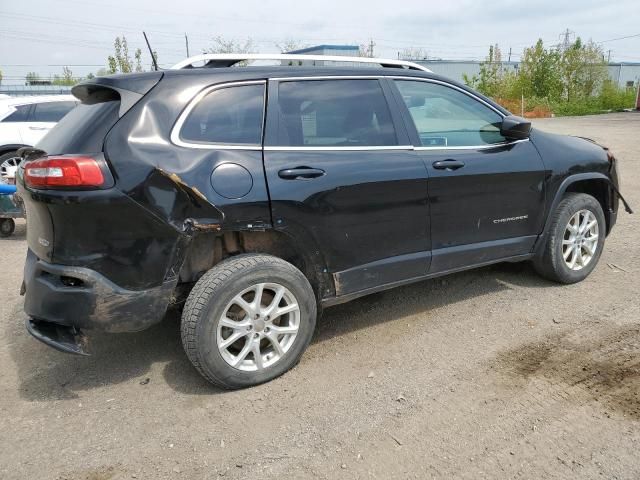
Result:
[{"x": 515, "y": 128}]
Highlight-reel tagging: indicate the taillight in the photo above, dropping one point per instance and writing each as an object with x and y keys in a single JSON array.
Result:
[{"x": 56, "y": 172}]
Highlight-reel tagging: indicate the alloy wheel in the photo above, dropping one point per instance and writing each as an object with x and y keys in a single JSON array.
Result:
[
  {"x": 9, "y": 168},
  {"x": 580, "y": 240},
  {"x": 258, "y": 327}
]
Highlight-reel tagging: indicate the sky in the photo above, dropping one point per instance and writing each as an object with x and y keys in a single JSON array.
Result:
[{"x": 44, "y": 35}]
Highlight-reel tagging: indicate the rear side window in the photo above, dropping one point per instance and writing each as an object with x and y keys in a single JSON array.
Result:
[
  {"x": 446, "y": 117},
  {"x": 232, "y": 116},
  {"x": 20, "y": 115},
  {"x": 51, "y": 111},
  {"x": 328, "y": 113},
  {"x": 83, "y": 130}
]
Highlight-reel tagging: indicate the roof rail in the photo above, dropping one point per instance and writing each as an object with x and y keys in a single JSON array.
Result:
[{"x": 221, "y": 60}]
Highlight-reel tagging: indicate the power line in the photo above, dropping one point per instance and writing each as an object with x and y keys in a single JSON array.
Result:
[{"x": 620, "y": 38}]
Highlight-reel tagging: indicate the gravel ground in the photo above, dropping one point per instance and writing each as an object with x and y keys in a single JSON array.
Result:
[{"x": 493, "y": 373}]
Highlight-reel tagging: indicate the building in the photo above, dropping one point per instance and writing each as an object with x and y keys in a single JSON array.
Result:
[{"x": 331, "y": 50}]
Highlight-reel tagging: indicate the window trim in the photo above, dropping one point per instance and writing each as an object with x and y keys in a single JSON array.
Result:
[
  {"x": 303, "y": 148},
  {"x": 175, "y": 131},
  {"x": 407, "y": 116},
  {"x": 402, "y": 109}
]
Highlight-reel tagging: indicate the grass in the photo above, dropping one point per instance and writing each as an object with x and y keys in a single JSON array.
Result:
[{"x": 610, "y": 98}]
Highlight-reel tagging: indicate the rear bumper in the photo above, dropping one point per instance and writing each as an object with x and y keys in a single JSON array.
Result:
[
  {"x": 84, "y": 299},
  {"x": 63, "y": 339}
]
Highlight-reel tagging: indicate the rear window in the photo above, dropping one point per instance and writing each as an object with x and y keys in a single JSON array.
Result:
[
  {"x": 84, "y": 128},
  {"x": 349, "y": 113},
  {"x": 230, "y": 116},
  {"x": 21, "y": 114},
  {"x": 51, "y": 111}
]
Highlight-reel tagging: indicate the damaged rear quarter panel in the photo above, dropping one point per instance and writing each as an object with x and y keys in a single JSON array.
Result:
[{"x": 174, "y": 182}]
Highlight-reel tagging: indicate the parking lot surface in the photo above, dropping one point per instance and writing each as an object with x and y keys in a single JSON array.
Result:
[{"x": 492, "y": 373}]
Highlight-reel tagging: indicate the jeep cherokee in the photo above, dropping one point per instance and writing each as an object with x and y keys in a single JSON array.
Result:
[{"x": 253, "y": 197}]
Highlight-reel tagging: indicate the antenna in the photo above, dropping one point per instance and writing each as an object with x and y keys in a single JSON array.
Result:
[{"x": 153, "y": 57}]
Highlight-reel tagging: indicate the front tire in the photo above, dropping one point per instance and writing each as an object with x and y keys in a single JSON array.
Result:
[
  {"x": 575, "y": 241},
  {"x": 9, "y": 163},
  {"x": 248, "y": 320}
]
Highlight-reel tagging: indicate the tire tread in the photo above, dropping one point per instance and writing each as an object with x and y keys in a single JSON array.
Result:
[
  {"x": 548, "y": 264},
  {"x": 204, "y": 289}
]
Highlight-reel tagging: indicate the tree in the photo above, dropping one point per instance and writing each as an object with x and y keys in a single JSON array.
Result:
[
  {"x": 289, "y": 45},
  {"x": 492, "y": 80},
  {"x": 366, "y": 50},
  {"x": 583, "y": 69},
  {"x": 0, "y": 77},
  {"x": 413, "y": 53},
  {"x": 121, "y": 62},
  {"x": 540, "y": 72},
  {"x": 31, "y": 78},
  {"x": 222, "y": 45},
  {"x": 66, "y": 78}
]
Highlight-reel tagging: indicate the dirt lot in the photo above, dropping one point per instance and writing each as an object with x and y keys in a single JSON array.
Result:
[{"x": 493, "y": 373}]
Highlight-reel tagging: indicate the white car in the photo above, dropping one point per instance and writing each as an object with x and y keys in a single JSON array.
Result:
[{"x": 23, "y": 122}]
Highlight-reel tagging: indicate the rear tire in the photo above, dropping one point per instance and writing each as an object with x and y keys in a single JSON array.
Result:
[
  {"x": 7, "y": 227},
  {"x": 572, "y": 250},
  {"x": 223, "y": 306}
]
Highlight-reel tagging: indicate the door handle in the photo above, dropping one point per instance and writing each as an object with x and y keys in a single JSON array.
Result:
[
  {"x": 448, "y": 164},
  {"x": 300, "y": 172},
  {"x": 39, "y": 128}
]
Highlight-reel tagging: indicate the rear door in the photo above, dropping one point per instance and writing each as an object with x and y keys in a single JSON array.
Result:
[
  {"x": 343, "y": 179},
  {"x": 486, "y": 193},
  {"x": 43, "y": 118}
]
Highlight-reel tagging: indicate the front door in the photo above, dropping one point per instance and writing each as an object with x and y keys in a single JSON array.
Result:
[
  {"x": 486, "y": 193},
  {"x": 343, "y": 177}
]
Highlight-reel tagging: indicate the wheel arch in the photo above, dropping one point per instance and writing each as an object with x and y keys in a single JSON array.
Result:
[
  {"x": 207, "y": 250},
  {"x": 598, "y": 188},
  {"x": 595, "y": 184},
  {"x": 11, "y": 147}
]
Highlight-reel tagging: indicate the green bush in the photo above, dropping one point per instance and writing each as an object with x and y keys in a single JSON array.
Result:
[
  {"x": 612, "y": 97},
  {"x": 572, "y": 81}
]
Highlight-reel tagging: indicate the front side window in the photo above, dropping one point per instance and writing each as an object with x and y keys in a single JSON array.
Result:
[
  {"x": 51, "y": 111},
  {"x": 21, "y": 114},
  {"x": 230, "y": 115},
  {"x": 334, "y": 113},
  {"x": 446, "y": 117}
]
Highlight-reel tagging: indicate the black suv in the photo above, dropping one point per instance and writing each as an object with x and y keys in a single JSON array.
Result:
[{"x": 256, "y": 196}]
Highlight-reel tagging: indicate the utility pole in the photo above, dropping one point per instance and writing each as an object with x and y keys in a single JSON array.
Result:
[
  {"x": 509, "y": 54},
  {"x": 186, "y": 43},
  {"x": 371, "y": 45},
  {"x": 566, "y": 39},
  {"x": 608, "y": 56}
]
